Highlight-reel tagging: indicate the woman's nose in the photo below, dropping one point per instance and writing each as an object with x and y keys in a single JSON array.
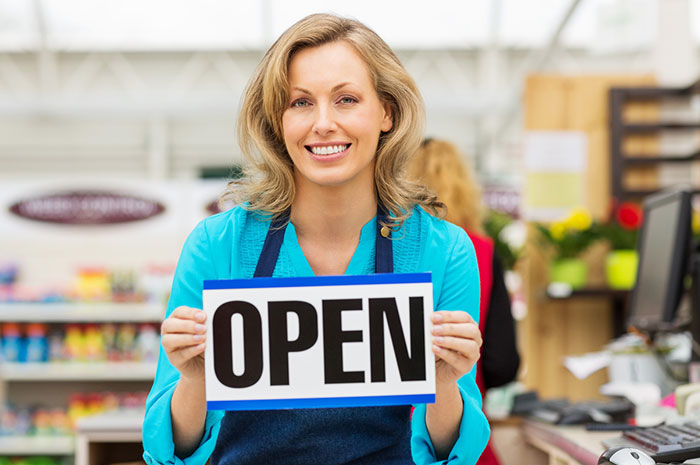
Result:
[{"x": 325, "y": 120}]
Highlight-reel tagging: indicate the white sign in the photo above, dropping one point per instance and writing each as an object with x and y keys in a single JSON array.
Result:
[{"x": 327, "y": 341}]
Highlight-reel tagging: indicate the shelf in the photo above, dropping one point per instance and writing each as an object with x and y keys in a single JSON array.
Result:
[
  {"x": 78, "y": 371},
  {"x": 115, "y": 421},
  {"x": 560, "y": 291},
  {"x": 653, "y": 159},
  {"x": 654, "y": 127},
  {"x": 37, "y": 445},
  {"x": 81, "y": 312},
  {"x": 637, "y": 193}
]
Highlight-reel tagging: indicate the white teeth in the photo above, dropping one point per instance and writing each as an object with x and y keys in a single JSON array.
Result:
[{"x": 328, "y": 150}]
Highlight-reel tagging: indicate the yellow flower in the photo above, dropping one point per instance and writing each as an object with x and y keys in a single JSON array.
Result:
[
  {"x": 696, "y": 221},
  {"x": 579, "y": 219},
  {"x": 557, "y": 230}
]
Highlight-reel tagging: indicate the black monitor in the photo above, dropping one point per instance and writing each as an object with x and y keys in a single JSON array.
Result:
[{"x": 664, "y": 247}]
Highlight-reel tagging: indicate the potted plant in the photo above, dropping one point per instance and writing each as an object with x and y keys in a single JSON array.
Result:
[
  {"x": 621, "y": 231},
  {"x": 508, "y": 235},
  {"x": 569, "y": 238}
]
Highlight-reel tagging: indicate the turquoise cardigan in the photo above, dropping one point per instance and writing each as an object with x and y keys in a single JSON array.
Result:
[{"x": 227, "y": 246}]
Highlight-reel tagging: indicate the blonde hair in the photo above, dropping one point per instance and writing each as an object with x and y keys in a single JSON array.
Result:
[
  {"x": 268, "y": 181},
  {"x": 439, "y": 165}
]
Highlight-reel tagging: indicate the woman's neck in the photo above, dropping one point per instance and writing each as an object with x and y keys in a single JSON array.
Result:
[{"x": 328, "y": 214}]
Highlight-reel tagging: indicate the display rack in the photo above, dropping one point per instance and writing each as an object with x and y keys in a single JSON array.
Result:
[
  {"x": 81, "y": 374},
  {"x": 37, "y": 445},
  {"x": 78, "y": 371},
  {"x": 622, "y": 162},
  {"x": 80, "y": 312}
]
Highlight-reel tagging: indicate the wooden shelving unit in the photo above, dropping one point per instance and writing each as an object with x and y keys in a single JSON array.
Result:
[{"x": 620, "y": 161}]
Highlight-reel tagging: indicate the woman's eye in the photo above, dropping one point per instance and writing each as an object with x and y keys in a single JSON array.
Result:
[
  {"x": 299, "y": 103},
  {"x": 348, "y": 100}
]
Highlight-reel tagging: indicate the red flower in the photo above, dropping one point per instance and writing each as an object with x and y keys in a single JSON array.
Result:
[{"x": 629, "y": 215}]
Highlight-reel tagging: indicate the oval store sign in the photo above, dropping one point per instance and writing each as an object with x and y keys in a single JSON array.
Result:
[{"x": 86, "y": 207}]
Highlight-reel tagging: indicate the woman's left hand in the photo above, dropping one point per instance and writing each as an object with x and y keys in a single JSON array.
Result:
[{"x": 456, "y": 344}]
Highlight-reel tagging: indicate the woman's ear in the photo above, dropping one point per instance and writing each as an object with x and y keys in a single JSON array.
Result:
[{"x": 388, "y": 121}]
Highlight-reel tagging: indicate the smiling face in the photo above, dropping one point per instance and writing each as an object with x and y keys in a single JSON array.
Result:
[{"x": 334, "y": 117}]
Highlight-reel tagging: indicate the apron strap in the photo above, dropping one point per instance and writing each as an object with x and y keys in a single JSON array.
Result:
[
  {"x": 271, "y": 247},
  {"x": 383, "y": 250},
  {"x": 384, "y": 257}
]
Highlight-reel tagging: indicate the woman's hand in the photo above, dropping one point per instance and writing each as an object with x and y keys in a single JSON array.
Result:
[
  {"x": 456, "y": 345},
  {"x": 184, "y": 340}
]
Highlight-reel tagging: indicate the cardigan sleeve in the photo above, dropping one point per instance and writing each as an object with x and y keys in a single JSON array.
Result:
[
  {"x": 459, "y": 291},
  {"x": 194, "y": 266}
]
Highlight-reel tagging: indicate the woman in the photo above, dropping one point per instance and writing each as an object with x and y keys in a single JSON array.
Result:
[
  {"x": 328, "y": 121},
  {"x": 439, "y": 166}
]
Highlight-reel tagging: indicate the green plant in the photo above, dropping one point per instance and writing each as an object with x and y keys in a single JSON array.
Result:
[{"x": 508, "y": 236}]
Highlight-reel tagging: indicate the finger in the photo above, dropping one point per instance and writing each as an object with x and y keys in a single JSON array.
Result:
[
  {"x": 451, "y": 316},
  {"x": 186, "y": 354},
  {"x": 456, "y": 361},
  {"x": 179, "y": 325},
  {"x": 189, "y": 313},
  {"x": 465, "y": 330},
  {"x": 174, "y": 342},
  {"x": 465, "y": 347}
]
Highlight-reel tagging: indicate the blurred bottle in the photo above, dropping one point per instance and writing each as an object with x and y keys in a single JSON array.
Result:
[
  {"x": 126, "y": 341},
  {"x": 37, "y": 346},
  {"x": 57, "y": 350},
  {"x": 74, "y": 343},
  {"x": 42, "y": 422},
  {"x": 12, "y": 350},
  {"x": 93, "y": 284},
  {"x": 77, "y": 408},
  {"x": 148, "y": 343},
  {"x": 94, "y": 344},
  {"x": 109, "y": 336}
]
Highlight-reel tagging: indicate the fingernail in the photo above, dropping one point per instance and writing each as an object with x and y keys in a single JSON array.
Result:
[
  {"x": 439, "y": 339},
  {"x": 200, "y": 316},
  {"x": 198, "y": 337},
  {"x": 436, "y": 349},
  {"x": 437, "y": 329},
  {"x": 437, "y": 317},
  {"x": 200, "y": 328}
]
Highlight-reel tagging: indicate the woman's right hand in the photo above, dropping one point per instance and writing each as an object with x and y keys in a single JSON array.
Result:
[{"x": 183, "y": 339}]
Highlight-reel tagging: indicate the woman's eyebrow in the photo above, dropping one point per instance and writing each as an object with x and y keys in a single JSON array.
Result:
[
  {"x": 302, "y": 90},
  {"x": 334, "y": 89}
]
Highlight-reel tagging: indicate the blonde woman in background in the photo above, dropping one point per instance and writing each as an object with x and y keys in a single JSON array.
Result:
[
  {"x": 329, "y": 120},
  {"x": 439, "y": 166}
]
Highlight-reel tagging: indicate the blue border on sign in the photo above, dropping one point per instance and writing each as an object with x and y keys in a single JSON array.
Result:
[
  {"x": 315, "y": 281},
  {"x": 320, "y": 402}
]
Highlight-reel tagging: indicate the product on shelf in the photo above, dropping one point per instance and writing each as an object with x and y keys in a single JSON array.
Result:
[
  {"x": 74, "y": 343},
  {"x": 147, "y": 343},
  {"x": 41, "y": 421},
  {"x": 93, "y": 284},
  {"x": 79, "y": 342},
  {"x": 12, "y": 344},
  {"x": 36, "y": 346},
  {"x": 94, "y": 344}
]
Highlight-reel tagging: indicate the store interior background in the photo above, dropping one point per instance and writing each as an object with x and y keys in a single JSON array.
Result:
[{"x": 141, "y": 98}]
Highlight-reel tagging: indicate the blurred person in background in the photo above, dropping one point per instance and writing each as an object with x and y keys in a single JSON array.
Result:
[
  {"x": 329, "y": 120},
  {"x": 439, "y": 166}
]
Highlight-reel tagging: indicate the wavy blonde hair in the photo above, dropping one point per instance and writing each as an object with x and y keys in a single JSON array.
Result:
[
  {"x": 439, "y": 166},
  {"x": 268, "y": 181}
]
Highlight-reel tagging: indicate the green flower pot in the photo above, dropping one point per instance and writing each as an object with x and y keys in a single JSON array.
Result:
[
  {"x": 621, "y": 268},
  {"x": 571, "y": 271}
]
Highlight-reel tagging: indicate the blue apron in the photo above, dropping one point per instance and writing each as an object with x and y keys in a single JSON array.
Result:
[{"x": 352, "y": 435}]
